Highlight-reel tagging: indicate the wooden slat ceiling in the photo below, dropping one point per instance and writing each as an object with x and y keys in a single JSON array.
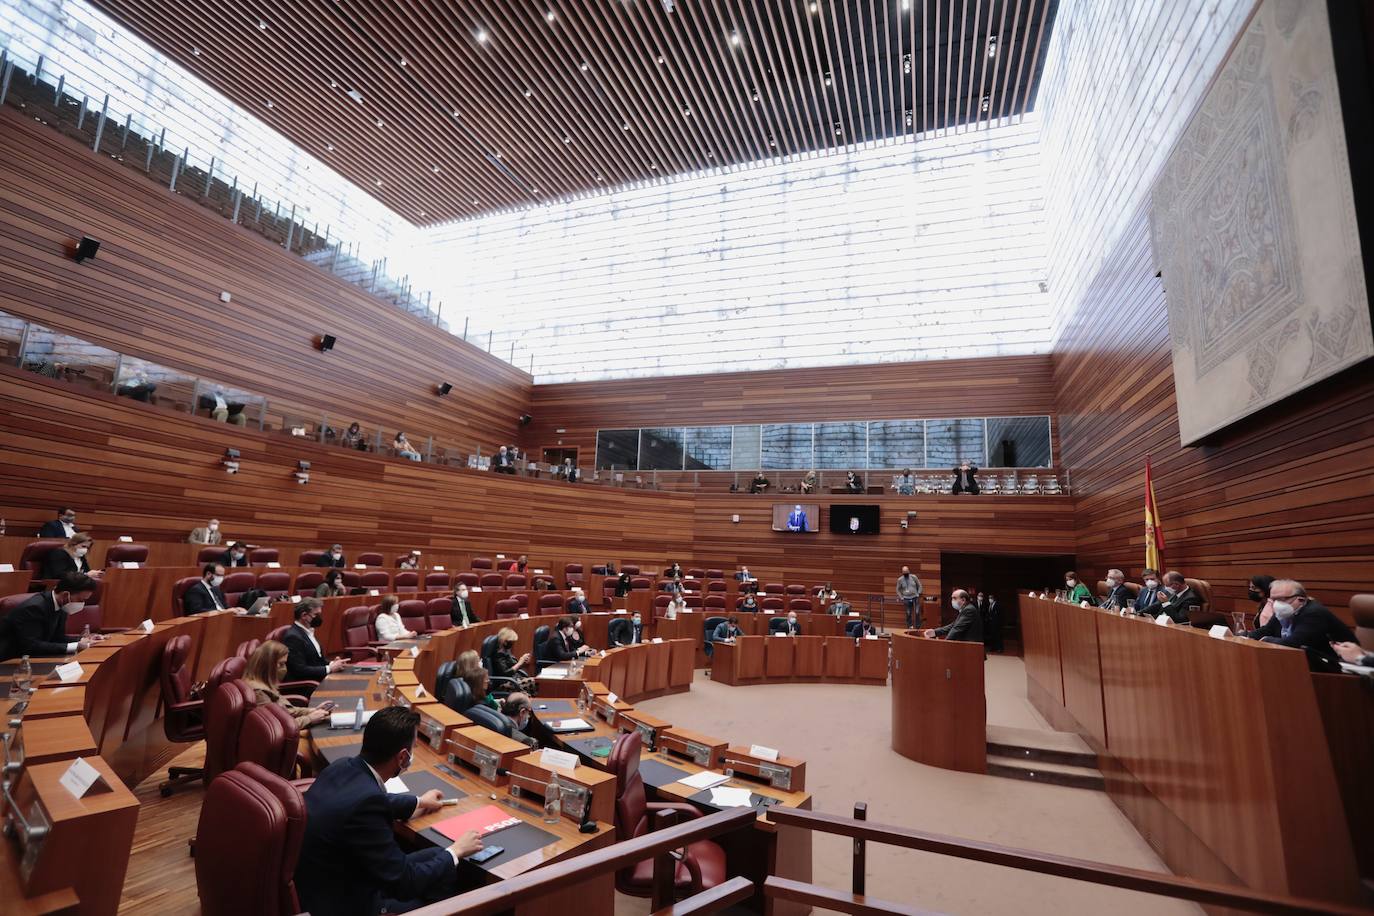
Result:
[{"x": 472, "y": 106}]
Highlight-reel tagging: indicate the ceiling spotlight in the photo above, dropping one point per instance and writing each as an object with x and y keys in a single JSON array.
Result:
[
  {"x": 582, "y": 66},
  {"x": 992, "y": 46},
  {"x": 686, "y": 112},
  {"x": 710, "y": 155},
  {"x": 985, "y": 104},
  {"x": 381, "y": 123},
  {"x": 422, "y": 213},
  {"x": 529, "y": 93},
  {"x": 654, "y": 166},
  {"x": 550, "y": 16},
  {"x": 624, "y": 125},
  {"x": 481, "y": 36},
  {"x": 455, "y": 112},
  {"x": 754, "y": 94},
  {"x": 262, "y": 25},
  {"x": 269, "y": 103},
  {"x": 827, "y": 79},
  {"x": 534, "y": 190},
  {"x": 906, "y": 5},
  {"x": 474, "y": 201},
  {"x": 434, "y": 169},
  {"x": 196, "y": 52},
  {"x": 403, "y": 61},
  {"x": 329, "y": 147},
  {"x": 567, "y": 139},
  {"x": 908, "y": 117},
  {"x": 333, "y": 84},
  {"x": 379, "y": 182},
  {"x": 599, "y": 177},
  {"x": 814, "y": 7},
  {"x": 660, "y": 60},
  {"x": 772, "y": 143},
  {"x": 906, "y": 63},
  {"x": 734, "y": 39},
  {"x": 838, "y": 129},
  {"x": 498, "y": 154}
]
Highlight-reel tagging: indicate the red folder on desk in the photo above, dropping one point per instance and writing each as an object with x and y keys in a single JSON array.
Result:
[{"x": 485, "y": 820}]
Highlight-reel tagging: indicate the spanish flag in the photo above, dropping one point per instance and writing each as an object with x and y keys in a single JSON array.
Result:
[{"x": 1154, "y": 529}]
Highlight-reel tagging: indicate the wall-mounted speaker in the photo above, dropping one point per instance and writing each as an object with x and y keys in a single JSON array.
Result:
[
  {"x": 86, "y": 248},
  {"x": 326, "y": 342},
  {"x": 526, "y": 419},
  {"x": 444, "y": 388}
]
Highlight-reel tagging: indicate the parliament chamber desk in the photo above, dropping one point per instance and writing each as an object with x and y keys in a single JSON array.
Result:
[
  {"x": 939, "y": 709},
  {"x": 787, "y": 659},
  {"x": 1214, "y": 748}
]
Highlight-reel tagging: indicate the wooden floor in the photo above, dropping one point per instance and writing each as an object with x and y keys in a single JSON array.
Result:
[{"x": 162, "y": 874}]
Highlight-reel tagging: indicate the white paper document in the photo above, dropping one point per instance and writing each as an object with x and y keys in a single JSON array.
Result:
[
  {"x": 68, "y": 672},
  {"x": 395, "y": 786},
  {"x": 569, "y": 724},
  {"x": 79, "y": 778},
  {"x": 551, "y": 758},
  {"x": 763, "y": 752},
  {"x": 554, "y": 673},
  {"x": 345, "y": 719},
  {"x": 704, "y": 780},
  {"x": 727, "y": 797}
]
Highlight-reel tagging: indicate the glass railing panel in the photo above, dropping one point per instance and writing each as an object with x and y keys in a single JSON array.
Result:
[
  {"x": 69, "y": 359},
  {"x": 170, "y": 389}
]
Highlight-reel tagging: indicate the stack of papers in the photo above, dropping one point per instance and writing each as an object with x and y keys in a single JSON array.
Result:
[
  {"x": 727, "y": 797},
  {"x": 554, "y": 673},
  {"x": 704, "y": 780},
  {"x": 346, "y": 719}
]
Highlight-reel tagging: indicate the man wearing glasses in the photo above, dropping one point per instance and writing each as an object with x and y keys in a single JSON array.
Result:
[{"x": 1300, "y": 622}]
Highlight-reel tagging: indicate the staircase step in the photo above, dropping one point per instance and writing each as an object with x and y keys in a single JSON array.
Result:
[
  {"x": 1058, "y": 774},
  {"x": 1040, "y": 746}
]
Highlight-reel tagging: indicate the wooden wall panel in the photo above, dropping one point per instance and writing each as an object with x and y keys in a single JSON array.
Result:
[
  {"x": 1287, "y": 492},
  {"x": 153, "y": 291},
  {"x": 1001, "y": 386}
]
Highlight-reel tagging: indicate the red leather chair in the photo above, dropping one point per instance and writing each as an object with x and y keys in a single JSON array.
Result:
[
  {"x": 573, "y": 573},
  {"x": 35, "y": 552},
  {"x": 414, "y": 616},
  {"x": 439, "y": 613},
  {"x": 608, "y": 589},
  {"x": 471, "y": 580},
  {"x": 550, "y": 604},
  {"x": 264, "y": 555},
  {"x": 632, "y": 570},
  {"x": 505, "y": 565},
  {"x": 715, "y": 585},
  {"x": 692, "y": 601},
  {"x": 492, "y": 580},
  {"x": 691, "y": 585},
  {"x": 209, "y": 554},
  {"x": 772, "y": 603},
  {"x": 117, "y": 554},
  {"x": 661, "y": 603},
  {"x": 309, "y": 557},
  {"x": 543, "y": 583},
  {"x": 695, "y": 573},
  {"x": 481, "y": 563},
  {"x": 773, "y": 588},
  {"x": 436, "y": 581},
  {"x": 183, "y": 718},
  {"x": 516, "y": 580},
  {"x": 506, "y": 608},
  {"x": 351, "y": 579},
  {"x": 247, "y": 648},
  {"x": 379, "y": 579},
  {"x": 702, "y": 865},
  {"x": 307, "y": 582},
  {"x": 274, "y": 582},
  {"x": 226, "y": 669},
  {"x": 598, "y": 570},
  {"x": 270, "y": 738},
  {"x": 358, "y": 634},
  {"x": 407, "y": 580},
  {"x": 715, "y": 601},
  {"x": 522, "y": 601},
  {"x": 370, "y": 559},
  {"x": 10, "y": 602},
  {"x": 235, "y": 584},
  {"x": 715, "y": 574},
  {"x": 224, "y": 713},
  {"x": 798, "y": 604},
  {"x": 640, "y": 583},
  {"x": 248, "y": 843},
  {"x": 795, "y": 589},
  {"x": 278, "y": 633},
  {"x": 179, "y": 590}
]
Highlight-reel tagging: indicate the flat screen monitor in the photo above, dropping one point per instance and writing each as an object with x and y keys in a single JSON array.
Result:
[
  {"x": 846, "y": 519},
  {"x": 798, "y": 517}
]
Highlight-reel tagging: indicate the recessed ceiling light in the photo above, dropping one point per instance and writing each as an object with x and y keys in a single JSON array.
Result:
[
  {"x": 196, "y": 51},
  {"x": 661, "y": 59},
  {"x": 262, "y": 24},
  {"x": 422, "y": 213},
  {"x": 498, "y": 155},
  {"x": 686, "y": 112},
  {"x": 906, "y": 63},
  {"x": 481, "y": 36},
  {"x": 333, "y": 84},
  {"x": 710, "y": 155},
  {"x": 534, "y": 190},
  {"x": 329, "y": 147},
  {"x": 754, "y": 94},
  {"x": 434, "y": 169},
  {"x": 269, "y": 103},
  {"x": 379, "y": 182},
  {"x": 381, "y": 123},
  {"x": 402, "y": 61},
  {"x": 455, "y": 112},
  {"x": 814, "y": 7},
  {"x": 582, "y": 66},
  {"x": 772, "y": 142},
  {"x": 567, "y": 139},
  {"x": 624, "y": 125},
  {"x": 735, "y": 39},
  {"x": 550, "y": 16},
  {"x": 838, "y": 129},
  {"x": 986, "y": 104},
  {"x": 599, "y": 177},
  {"x": 474, "y": 201},
  {"x": 529, "y": 93},
  {"x": 654, "y": 166},
  {"x": 992, "y": 46},
  {"x": 906, "y": 5},
  {"x": 827, "y": 79}
]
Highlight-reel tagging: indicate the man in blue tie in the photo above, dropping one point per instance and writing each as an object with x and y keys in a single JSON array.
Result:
[{"x": 796, "y": 521}]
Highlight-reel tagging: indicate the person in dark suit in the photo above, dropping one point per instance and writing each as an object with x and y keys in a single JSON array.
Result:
[
  {"x": 729, "y": 629},
  {"x": 796, "y": 519},
  {"x": 1301, "y": 623},
  {"x": 235, "y": 555},
  {"x": 205, "y": 594},
  {"x": 853, "y": 483},
  {"x": 991, "y": 613},
  {"x": 577, "y": 604},
  {"x": 350, "y": 862},
  {"x": 793, "y": 624},
  {"x": 622, "y": 585},
  {"x": 865, "y": 627},
  {"x": 759, "y": 484},
  {"x": 69, "y": 558},
  {"x": 503, "y": 462},
  {"x": 1174, "y": 600},
  {"x": 562, "y": 644},
  {"x": 622, "y": 632},
  {"x": 64, "y": 526},
  {"x": 1149, "y": 592},
  {"x": 305, "y": 659},
  {"x": 38, "y": 627},
  {"x": 965, "y": 479},
  {"x": 334, "y": 557},
  {"x": 461, "y": 611},
  {"x": 967, "y": 625},
  {"x": 1118, "y": 596},
  {"x": 744, "y": 575}
]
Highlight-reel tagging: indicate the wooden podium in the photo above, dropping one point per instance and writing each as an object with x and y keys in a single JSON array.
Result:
[{"x": 939, "y": 713}]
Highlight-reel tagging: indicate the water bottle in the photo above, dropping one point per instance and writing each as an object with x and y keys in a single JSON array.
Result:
[
  {"x": 553, "y": 802},
  {"x": 358, "y": 714},
  {"x": 86, "y": 632},
  {"x": 25, "y": 673},
  {"x": 385, "y": 680}
]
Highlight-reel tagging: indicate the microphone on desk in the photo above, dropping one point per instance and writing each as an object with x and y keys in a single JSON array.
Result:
[{"x": 586, "y": 825}]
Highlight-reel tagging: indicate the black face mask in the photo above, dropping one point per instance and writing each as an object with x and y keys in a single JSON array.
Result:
[
  {"x": 1255, "y": 596},
  {"x": 317, "y": 621}
]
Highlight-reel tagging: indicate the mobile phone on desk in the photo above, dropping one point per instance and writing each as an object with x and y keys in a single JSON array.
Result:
[
  {"x": 487, "y": 852},
  {"x": 327, "y": 705}
]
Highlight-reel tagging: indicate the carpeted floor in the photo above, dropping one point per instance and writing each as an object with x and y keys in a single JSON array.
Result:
[{"x": 843, "y": 734}]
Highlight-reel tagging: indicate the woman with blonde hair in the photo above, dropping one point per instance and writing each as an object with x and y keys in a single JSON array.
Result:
[
  {"x": 505, "y": 664},
  {"x": 266, "y": 667}
]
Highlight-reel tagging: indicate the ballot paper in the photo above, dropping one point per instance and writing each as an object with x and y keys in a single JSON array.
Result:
[
  {"x": 395, "y": 786},
  {"x": 727, "y": 797},
  {"x": 704, "y": 780}
]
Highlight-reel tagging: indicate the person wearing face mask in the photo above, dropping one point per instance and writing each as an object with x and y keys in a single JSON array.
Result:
[
  {"x": 526, "y": 727},
  {"x": 967, "y": 625},
  {"x": 461, "y": 612},
  {"x": 205, "y": 594},
  {"x": 793, "y": 624},
  {"x": 235, "y": 555},
  {"x": 305, "y": 659},
  {"x": 1149, "y": 592},
  {"x": 1076, "y": 592},
  {"x": 623, "y": 585},
  {"x": 577, "y": 604},
  {"x": 334, "y": 558},
  {"x": 727, "y": 631},
  {"x": 622, "y": 632},
  {"x": 503, "y": 462},
  {"x": 677, "y": 606},
  {"x": 1300, "y": 622},
  {"x": 562, "y": 644},
  {"x": 264, "y": 673},
  {"x": 209, "y": 534},
  {"x": 749, "y": 604},
  {"x": 991, "y": 612},
  {"x": 38, "y": 627},
  {"x": 350, "y": 861},
  {"x": 64, "y": 526},
  {"x": 1173, "y": 599},
  {"x": 1118, "y": 596},
  {"x": 389, "y": 625},
  {"x": 505, "y": 663},
  {"x": 332, "y": 586},
  {"x": 1259, "y": 593},
  {"x": 70, "y": 557}
]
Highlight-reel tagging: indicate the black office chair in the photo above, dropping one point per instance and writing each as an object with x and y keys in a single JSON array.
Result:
[
  {"x": 499, "y": 686},
  {"x": 489, "y": 718},
  {"x": 619, "y": 632},
  {"x": 447, "y": 672},
  {"x": 541, "y": 641},
  {"x": 777, "y": 625},
  {"x": 457, "y": 695},
  {"x": 709, "y": 626}
]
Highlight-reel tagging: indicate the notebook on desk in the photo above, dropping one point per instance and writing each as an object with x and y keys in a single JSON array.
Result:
[{"x": 485, "y": 820}]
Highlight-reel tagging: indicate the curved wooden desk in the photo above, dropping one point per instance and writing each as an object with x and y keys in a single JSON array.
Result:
[
  {"x": 939, "y": 710},
  {"x": 792, "y": 659}
]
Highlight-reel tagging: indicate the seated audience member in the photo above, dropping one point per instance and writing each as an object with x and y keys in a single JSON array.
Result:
[
  {"x": 579, "y": 639},
  {"x": 562, "y": 644},
  {"x": 504, "y": 662},
  {"x": 1301, "y": 622},
  {"x": 1149, "y": 591},
  {"x": 827, "y": 594},
  {"x": 677, "y": 606},
  {"x": 1118, "y": 596},
  {"x": 793, "y": 625},
  {"x": 402, "y": 447},
  {"x": 634, "y": 634},
  {"x": 462, "y": 613},
  {"x": 808, "y": 483},
  {"x": 1259, "y": 593},
  {"x": 479, "y": 682},
  {"x": 965, "y": 479},
  {"x": 622, "y": 585},
  {"x": 571, "y": 473},
  {"x": 728, "y": 630},
  {"x": 389, "y": 625},
  {"x": 137, "y": 388},
  {"x": 38, "y": 627},
  {"x": 759, "y": 484},
  {"x": 209, "y": 534},
  {"x": 671, "y": 586},
  {"x": 264, "y": 672},
  {"x": 577, "y": 604},
  {"x": 866, "y": 627},
  {"x": 410, "y": 561},
  {"x": 503, "y": 462},
  {"x": 305, "y": 659},
  {"x": 967, "y": 625},
  {"x": 673, "y": 572},
  {"x": 205, "y": 594},
  {"x": 853, "y": 483},
  {"x": 905, "y": 485},
  {"x": 1354, "y": 654},
  {"x": 744, "y": 575},
  {"x": 70, "y": 557},
  {"x": 1076, "y": 591},
  {"x": 235, "y": 555},
  {"x": 353, "y": 437},
  {"x": 527, "y": 727},
  {"x": 332, "y": 586},
  {"x": 839, "y": 607},
  {"x": 749, "y": 604},
  {"x": 522, "y": 563},
  {"x": 350, "y": 860},
  {"x": 1174, "y": 599},
  {"x": 334, "y": 558},
  {"x": 64, "y": 526}
]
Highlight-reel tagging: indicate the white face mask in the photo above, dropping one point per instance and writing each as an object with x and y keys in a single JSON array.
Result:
[
  {"x": 213, "y": 527},
  {"x": 792, "y": 621},
  {"x": 1113, "y": 583},
  {"x": 71, "y": 607},
  {"x": 462, "y": 593},
  {"x": 1152, "y": 583},
  {"x": 636, "y": 620},
  {"x": 958, "y": 605},
  {"x": 216, "y": 581},
  {"x": 1283, "y": 610},
  {"x": 1070, "y": 582},
  {"x": 335, "y": 554},
  {"x": 82, "y": 551}
]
